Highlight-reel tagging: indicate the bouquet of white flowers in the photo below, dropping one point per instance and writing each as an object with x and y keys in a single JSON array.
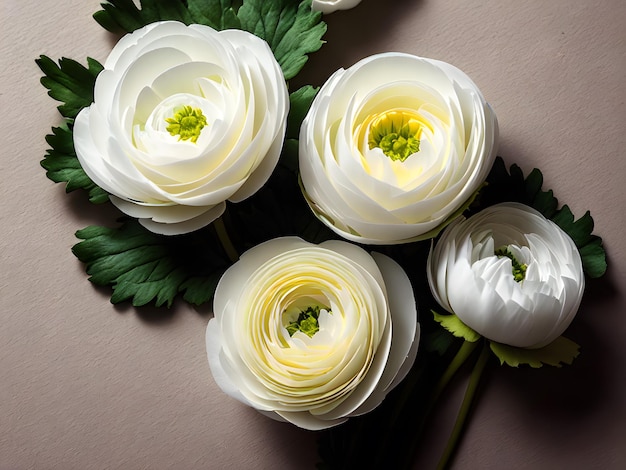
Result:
[{"x": 356, "y": 241}]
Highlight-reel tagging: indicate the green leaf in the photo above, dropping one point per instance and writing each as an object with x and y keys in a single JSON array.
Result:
[
  {"x": 143, "y": 267},
  {"x": 122, "y": 16},
  {"x": 219, "y": 14},
  {"x": 560, "y": 351},
  {"x": 454, "y": 325},
  {"x": 292, "y": 31},
  {"x": 533, "y": 184},
  {"x": 593, "y": 257},
  {"x": 299, "y": 104},
  {"x": 199, "y": 289},
  {"x": 119, "y": 16},
  {"x": 73, "y": 84},
  {"x": 69, "y": 82},
  {"x": 62, "y": 166},
  {"x": 580, "y": 230},
  {"x": 546, "y": 203}
]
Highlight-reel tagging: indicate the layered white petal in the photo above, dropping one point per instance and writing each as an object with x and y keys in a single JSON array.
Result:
[
  {"x": 175, "y": 185},
  {"x": 329, "y": 6},
  {"x": 468, "y": 279},
  {"x": 364, "y": 195},
  {"x": 366, "y": 342}
]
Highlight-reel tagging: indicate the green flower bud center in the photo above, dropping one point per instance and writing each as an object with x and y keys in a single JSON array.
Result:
[
  {"x": 396, "y": 133},
  {"x": 187, "y": 123},
  {"x": 519, "y": 269},
  {"x": 307, "y": 322}
]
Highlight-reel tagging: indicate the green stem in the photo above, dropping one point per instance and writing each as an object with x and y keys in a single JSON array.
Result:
[
  {"x": 466, "y": 405},
  {"x": 464, "y": 352},
  {"x": 462, "y": 355},
  {"x": 225, "y": 240}
]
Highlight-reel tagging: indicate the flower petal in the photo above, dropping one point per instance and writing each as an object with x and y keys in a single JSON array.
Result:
[{"x": 469, "y": 278}]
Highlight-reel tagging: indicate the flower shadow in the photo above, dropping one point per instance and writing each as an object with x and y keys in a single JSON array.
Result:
[
  {"x": 544, "y": 408},
  {"x": 556, "y": 406},
  {"x": 367, "y": 24}
]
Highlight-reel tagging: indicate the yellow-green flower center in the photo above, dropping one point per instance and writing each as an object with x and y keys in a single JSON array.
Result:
[
  {"x": 187, "y": 123},
  {"x": 307, "y": 322},
  {"x": 519, "y": 269},
  {"x": 396, "y": 133}
]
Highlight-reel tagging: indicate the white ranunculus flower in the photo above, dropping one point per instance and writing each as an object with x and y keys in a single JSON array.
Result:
[
  {"x": 508, "y": 273},
  {"x": 312, "y": 334},
  {"x": 393, "y": 146},
  {"x": 329, "y": 6},
  {"x": 184, "y": 118}
]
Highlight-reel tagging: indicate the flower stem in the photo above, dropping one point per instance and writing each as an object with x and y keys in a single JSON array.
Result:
[
  {"x": 462, "y": 355},
  {"x": 466, "y": 405},
  {"x": 225, "y": 240},
  {"x": 464, "y": 352}
]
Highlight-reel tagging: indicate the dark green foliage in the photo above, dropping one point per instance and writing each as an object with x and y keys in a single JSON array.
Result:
[
  {"x": 292, "y": 31},
  {"x": 69, "y": 82},
  {"x": 299, "y": 104},
  {"x": 290, "y": 28},
  {"x": 73, "y": 85},
  {"x": 143, "y": 267},
  {"x": 62, "y": 165}
]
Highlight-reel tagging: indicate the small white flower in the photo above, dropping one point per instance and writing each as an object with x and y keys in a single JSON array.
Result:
[
  {"x": 312, "y": 334},
  {"x": 508, "y": 273},
  {"x": 184, "y": 118},
  {"x": 329, "y": 6},
  {"x": 393, "y": 146}
]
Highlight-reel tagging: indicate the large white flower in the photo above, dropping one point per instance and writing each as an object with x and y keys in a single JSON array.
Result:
[
  {"x": 508, "y": 273},
  {"x": 329, "y": 6},
  {"x": 393, "y": 146},
  {"x": 184, "y": 118},
  {"x": 312, "y": 334}
]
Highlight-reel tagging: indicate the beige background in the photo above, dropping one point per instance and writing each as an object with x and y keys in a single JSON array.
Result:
[{"x": 87, "y": 385}]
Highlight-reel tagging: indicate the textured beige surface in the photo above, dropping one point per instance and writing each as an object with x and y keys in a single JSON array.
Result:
[{"x": 86, "y": 385}]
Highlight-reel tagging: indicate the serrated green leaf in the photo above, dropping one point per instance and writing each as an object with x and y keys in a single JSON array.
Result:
[
  {"x": 580, "y": 230},
  {"x": 292, "y": 31},
  {"x": 299, "y": 104},
  {"x": 454, "y": 325},
  {"x": 219, "y": 14},
  {"x": 560, "y": 351},
  {"x": 123, "y": 16},
  {"x": 546, "y": 203},
  {"x": 119, "y": 16},
  {"x": 593, "y": 257},
  {"x": 143, "y": 267},
  {"x": 62, "y": 166},
  {"x": 69, "y": 82},
  {"x": 199, "y": 290},
  {"x": 533, "y": 184},
  {"x": 172, "y": 10}
]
